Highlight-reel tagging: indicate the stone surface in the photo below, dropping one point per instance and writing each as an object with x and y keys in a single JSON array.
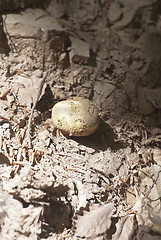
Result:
[
  {"x": 38, "y": 20},
  {"x": 79, "y": 47}
]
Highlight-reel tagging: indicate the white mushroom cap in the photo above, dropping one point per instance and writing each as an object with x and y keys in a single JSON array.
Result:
[{"x": 76, "y": 116}]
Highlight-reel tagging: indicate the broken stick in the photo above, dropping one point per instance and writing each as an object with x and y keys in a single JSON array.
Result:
[{"x": 33, "y": 107}]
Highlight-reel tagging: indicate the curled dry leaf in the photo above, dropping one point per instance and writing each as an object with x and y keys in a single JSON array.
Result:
[
  {"x": 125, "y": 229},
  {"x": 27, "y": 88},
  {"x": 148, "y": 207},
  {"x": 19, "y": 221},
  {"x": 95, "y": 222}
]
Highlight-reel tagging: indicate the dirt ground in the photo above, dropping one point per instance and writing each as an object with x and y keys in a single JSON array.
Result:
[{"x": 103, "y": 186}]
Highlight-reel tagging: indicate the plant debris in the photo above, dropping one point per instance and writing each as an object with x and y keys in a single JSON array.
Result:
[{"x": 102, "y": 186}]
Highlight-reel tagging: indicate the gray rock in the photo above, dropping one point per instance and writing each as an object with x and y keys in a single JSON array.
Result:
[
  {"x": 30, "y": 23},
  {"x": 79, "y": 47}
]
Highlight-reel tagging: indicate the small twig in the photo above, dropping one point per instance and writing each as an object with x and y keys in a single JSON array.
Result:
[
  {"x": 33, "y": 107},
  {"x": 4, "y": 119}
]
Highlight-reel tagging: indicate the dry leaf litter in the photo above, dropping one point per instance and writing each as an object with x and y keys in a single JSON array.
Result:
[{"x": 103, "y": 186}]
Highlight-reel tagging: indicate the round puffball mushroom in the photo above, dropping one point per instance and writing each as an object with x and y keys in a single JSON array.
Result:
[{"x": 76, "y": 116}]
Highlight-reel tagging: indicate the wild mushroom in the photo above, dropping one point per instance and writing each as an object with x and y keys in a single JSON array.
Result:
[{"x": 76, "y": 116}]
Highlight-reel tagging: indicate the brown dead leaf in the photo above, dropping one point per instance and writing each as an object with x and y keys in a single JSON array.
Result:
[
  {"x": 95, "y": 222},
  {"x": 154, "y": 220},
  {"x": 147, "y": 182},
  {"x": 148, "y": 207},
  {"x": 125, "y": 229},
  {"x": 19, "y": 221},
  {"x": 27, "y": 90}
]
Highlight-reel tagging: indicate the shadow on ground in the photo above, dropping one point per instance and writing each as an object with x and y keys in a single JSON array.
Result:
[{"x": 102, "y": 139}]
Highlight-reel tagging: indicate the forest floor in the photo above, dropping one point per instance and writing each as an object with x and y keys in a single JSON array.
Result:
[{"x": 104, "y": 186}]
